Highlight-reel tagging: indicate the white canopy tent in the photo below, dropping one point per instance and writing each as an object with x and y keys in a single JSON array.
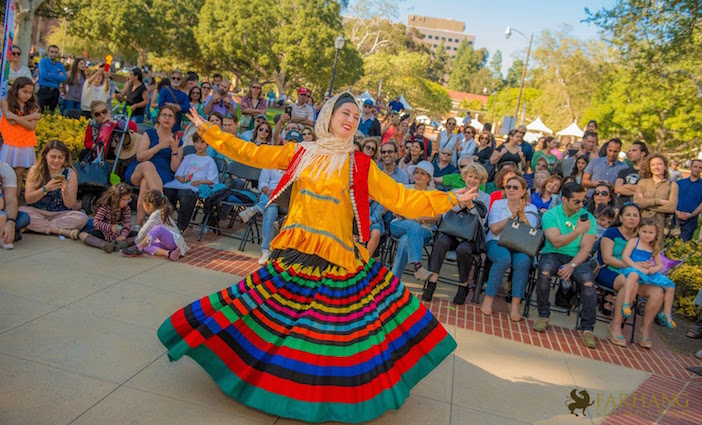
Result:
[
  {"x": 571, "y": 130},
  {"x": 538, "y": 126},
  {"x": 423, "y": 119},
  {"x": 530, "y": 137},
  {"x": 364, "y": 96},
  {"x": 405, "y": 104}
]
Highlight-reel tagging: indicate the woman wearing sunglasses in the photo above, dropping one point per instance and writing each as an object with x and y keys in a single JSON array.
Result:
[
  {"x": 369, "y": 146},
  {"x": 16, "y": 68},
  {"x": 602, "y": 196},
  {"x": 263, "y": 134},
  {"x": 483, "y": 151},
  {"x": 308, "y": 134}
]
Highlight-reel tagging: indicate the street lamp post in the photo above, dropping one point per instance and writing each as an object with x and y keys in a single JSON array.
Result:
[
  {"x": 508, "y": 33},
  {"x": 338, "y": 45}
]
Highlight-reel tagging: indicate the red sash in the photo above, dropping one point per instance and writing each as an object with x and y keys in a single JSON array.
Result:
[{"x": 359, "y": 187}]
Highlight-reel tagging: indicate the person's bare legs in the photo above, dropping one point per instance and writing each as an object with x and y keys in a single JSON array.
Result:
[
  {"x": 146, "y": 177},
  {"x": 514, "y": 312},
  {"x": 615, "y": 325},
  {"x": 486, "y": 306},
  {"x": 373, "y": 241},
  {"x": 652, "y": 307},
  {"x": 19, "y": 173}
]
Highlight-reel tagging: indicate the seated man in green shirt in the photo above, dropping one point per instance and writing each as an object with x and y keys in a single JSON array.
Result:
[
  {"x": 570, "y": 234},
  {"x": 454, "y": 181}
]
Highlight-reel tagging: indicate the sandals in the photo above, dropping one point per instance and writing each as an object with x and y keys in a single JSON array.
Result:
[
  {"x": 667, "y": 320},
  {"x": 626, "y": 310},
  {"x": 619, "y": 340},
  {"x": 644, "y": 341},
  {"x": 695, "y": 332}
]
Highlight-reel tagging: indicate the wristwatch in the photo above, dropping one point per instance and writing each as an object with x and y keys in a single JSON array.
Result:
[{"x": 573, "y": 265}]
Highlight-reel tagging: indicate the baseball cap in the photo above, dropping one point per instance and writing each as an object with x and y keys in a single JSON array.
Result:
[
  {"x": 261, "y": 116},
  {"x": 368, "y": 102},
  {"x": 293, "y": 135},
  {"x": 422, "y": 165},
  {"x": 303, "y": 90}
]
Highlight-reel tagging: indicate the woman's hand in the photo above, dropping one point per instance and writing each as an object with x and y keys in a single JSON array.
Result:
[
  {"x": 181, "y": 179},
  {"x": 115, "y": 228},
  {"x": 55, "y": 184},
  {"x": 195, "y": 117},
  {"x": 173, "y": 144},
  {"x": 465, "y": 195}
]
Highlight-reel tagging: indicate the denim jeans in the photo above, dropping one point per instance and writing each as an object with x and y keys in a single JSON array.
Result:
[
  {"x": 21, "y": 223},
  {"x": 548, "y": 267},
  {"x": 139, "y": 119},
  {"x": 502, "y": 258},
  {"x": 687, "y": 228},
  {"x": 412, "y": 238},
  {"x": 70, "y": 104}
]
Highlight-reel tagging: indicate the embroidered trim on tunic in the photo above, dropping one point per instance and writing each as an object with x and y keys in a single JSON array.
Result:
[{"x": 319, "y": 232}]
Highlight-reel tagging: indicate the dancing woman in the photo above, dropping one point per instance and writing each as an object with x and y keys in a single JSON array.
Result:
[{"x": 321, "y": 332}]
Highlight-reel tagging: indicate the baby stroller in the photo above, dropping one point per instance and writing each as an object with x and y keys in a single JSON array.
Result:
[{"x": 109, "y": 156}]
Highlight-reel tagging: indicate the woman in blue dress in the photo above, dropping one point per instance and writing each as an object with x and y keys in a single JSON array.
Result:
[{"x": 158, "y": 156}]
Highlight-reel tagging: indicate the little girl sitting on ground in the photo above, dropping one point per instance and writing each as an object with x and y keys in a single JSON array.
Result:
[
  {"x": 644, "y": 261},
  {"x": 158, "y": 236},
  {"x": 113, "y": 221}
]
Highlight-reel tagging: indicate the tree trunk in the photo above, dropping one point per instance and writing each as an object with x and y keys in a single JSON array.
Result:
[
  {"x": 24, "y": 20},
  {"x": 279, "y": 79},
  {"x": 142, "y": 59}
]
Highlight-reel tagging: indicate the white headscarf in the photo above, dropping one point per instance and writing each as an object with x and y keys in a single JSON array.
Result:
[{"x": 329, "y": 153}]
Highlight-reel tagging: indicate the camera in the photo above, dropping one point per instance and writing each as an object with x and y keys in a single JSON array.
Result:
[{"x": 288, "y": 110}]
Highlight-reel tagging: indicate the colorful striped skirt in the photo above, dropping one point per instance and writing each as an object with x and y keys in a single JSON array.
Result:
[{"x": 301, "y": 338}]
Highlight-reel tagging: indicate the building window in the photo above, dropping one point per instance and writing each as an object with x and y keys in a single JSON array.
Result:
[
  {"x": 435, "y": 46},
  {"x": 470, "y": 43},
  {"x": 454, "y": 49},
  {"x": 429, "y": 36},
  {"x": 443, "y": 38},
  {"x": 450, "y": 40}
]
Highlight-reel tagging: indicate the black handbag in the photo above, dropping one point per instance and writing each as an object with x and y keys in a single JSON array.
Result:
[
  {"x": 93, "y": 173},
  {"x": 464, "y": 225},
  {"x": 521, "y": 237}
]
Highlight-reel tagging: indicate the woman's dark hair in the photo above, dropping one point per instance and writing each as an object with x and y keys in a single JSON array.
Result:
[
  {"x": 111, "y": 197},
  {"x": 260, "y": 91},
  {"x": 574, "y": 171},
  {"x": 137, "y": 73},
  {"x": 422, "y": 156},
  {"x": 190, "y": 93},
  {"x": 13, "y": 97},
  {"x": 523, "y": 185},
  {"x": 618, "y": 220},
  {"x": 500, "y": 176},
  {"x": 216, "y": 114},
  {"x": 590, "y": 205},
  {"x": 160, "y": 202},
  {"x": 74, "y": 76},
  {"x": 270, "y": 132}
]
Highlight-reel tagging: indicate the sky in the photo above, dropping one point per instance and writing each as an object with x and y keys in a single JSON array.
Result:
[{"x": 487, "y": 20}]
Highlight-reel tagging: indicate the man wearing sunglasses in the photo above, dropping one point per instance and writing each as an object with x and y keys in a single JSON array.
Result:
[
  {"x": 388, "y": 155},
  {"x": 570, "y": 233},
  {"x": 369, "y": 124},
  {"x": 100, "y": 114},
  {"x": 175, "y": 97}
]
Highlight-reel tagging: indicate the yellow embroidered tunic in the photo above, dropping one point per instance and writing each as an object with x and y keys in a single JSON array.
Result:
[{"x": 320, "y": 219}]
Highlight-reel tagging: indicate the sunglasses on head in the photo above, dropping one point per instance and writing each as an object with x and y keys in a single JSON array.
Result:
[
  {"x": 602, "y": 193},
  {"x": 512, "y": 187},
  {"x": 98, "y": 114}
]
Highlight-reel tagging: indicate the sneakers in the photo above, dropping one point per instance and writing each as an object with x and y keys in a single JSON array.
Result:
[
  {"x": 541, "y": 324},
  {"x": 174, "y": 255},
  {"x": 120, "y": 245},
  {"x": 132, "y": 251},
  {"x": 428, "y": 292},
  {"x": 248, "y": 214},
  {"x": 109, "y": 248},
  {"x": 422, "y": 274},
  {"x": 461, "y": 295},
  {"x": 265, "y": 255},
  {"x": 588, "y": 339}
]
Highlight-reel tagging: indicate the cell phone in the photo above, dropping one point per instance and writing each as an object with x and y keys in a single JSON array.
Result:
[
  {"x": 583, "y": 217},
  {"x": 288, "y": 110},
  {"x": 60, "y": 177},
  {"x": 572, "y": 152}
]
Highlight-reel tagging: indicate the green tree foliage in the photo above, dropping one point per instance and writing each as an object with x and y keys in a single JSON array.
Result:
[
  {"x": 467, "y": 62},
  {"x": 658, "y": 75},
  {"x": 514, "y": 74},
  {"x": 496, "y": 69},
  {"x": 440, "y": 64},
  {"x": 292, "y": 42},
  {"x": 406, "y": 73}
]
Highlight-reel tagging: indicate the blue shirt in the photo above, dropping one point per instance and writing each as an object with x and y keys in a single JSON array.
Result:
[
  {"x": 396, "y": 105},
  {"x": 398, "y": 175},
  {"x": 599, "y": 169},
  {"x": 51, "y": 74},
  {"x": 166, "y": 96},
  {"x": 690, "y": 194}
]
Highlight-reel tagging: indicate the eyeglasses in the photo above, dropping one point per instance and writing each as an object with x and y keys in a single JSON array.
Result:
[
  {"x": 195, "y": 92},
  {"x": 577, "y": 201},
  {"x": 176, "y": 78},
  {"x": 512, "y": 187},
  {"x": 601, "y": 193},
  {"x": 367, "y": 106},
  {"x": 370, "y": 148},
  {"x": 446, "y": 153},
  {"x": 264, "y": 129},
  {"x": 306, "y": 133},
  {"x": 387, "y": 152},
  {"x": 169, "y": 116},
  {"x": 484, "y": 138},
  {"x": 98, "y": 114},
  {"x": 256, "y": 87},
  {"x": 450, "y": 123},
  {"x": 206, "y": 87},
  {"x": 16, "y": 53}
]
